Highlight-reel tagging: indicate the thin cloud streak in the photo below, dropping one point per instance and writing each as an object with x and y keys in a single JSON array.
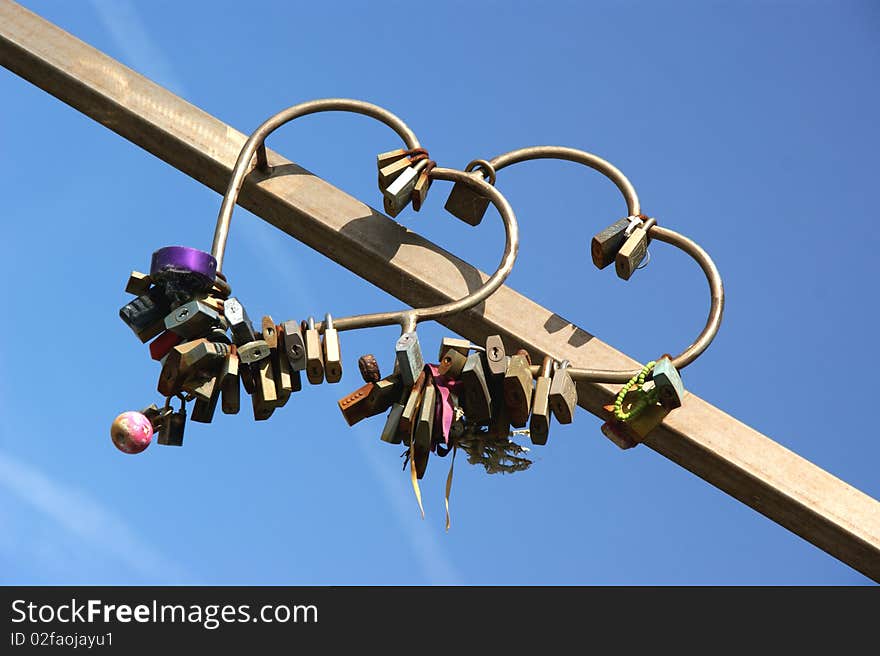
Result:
[{"x": 86, "y": 519}]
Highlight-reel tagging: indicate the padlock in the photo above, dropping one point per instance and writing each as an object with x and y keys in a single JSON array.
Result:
[
  {"x": 421, "y": 441},
  {"x": 314, "y": 354},
  {"x": 253, "y": 352},
  {"x": 390, "y": 432},
  {"x": 201, "y": 385},
  {"x": 262, "y": 408},
  {"x": 369, "y": 368},
  {"x": 370, "y": 399},
  {"x": 463, "y": 346},
  {"x": 183, "y": 271},
  {"x": 215, "y": 303},
  {"x": 287, "y": 381},
  {"x": 239, "y": 322},
  {"x": 294, "y": 345},
  {"x": 145, "y": 315},
  {"x": 466, "y": 203},
  {"x": 192, "y": 319},
  {"x": 451, "y": 363},
  {"x": 331, "y": 351},
  {"x": 247, "y": 377},
  {"x": 632, "y": 252},
  {"x": 391, "y": 171},
  {"x": 230, "y": 387},
  {"x": 269, "y": 334},
  {"x": 264, "y": 380},
  {"x": 667, "y": 381},
  {"x": 171, "y": 432},
  {"x": 627, "y": 434},
  {"x": 138, "y": 283},
  {"x": 219, "y": 336},
  {"x": 203, "y": 409},
  {"x": 160, "y": 346},
  {"x": 409, "y": 416},
  {"x": 409, "y": 358},
  {"x": 420, "y": 190},
  {"x": 183, "y": 359},
  {"x": 563, "y": 394},
  {"x": 518, "y": 389},
  {"x": 605, "y": 244},
  {"x": 390, "y": 157},
  {"x": 539, "y": 424},
  {"x": 495, "y": 356},
  {"x": 399, "y": 193},
  {"x": 475, "y": 399},
  {"x": 499, "y": 423}
]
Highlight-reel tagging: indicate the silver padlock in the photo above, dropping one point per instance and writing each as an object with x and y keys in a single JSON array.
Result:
[
  {"x": 254, "y": 351},
  {"x": 563, "y": 394},
  {"x": 452, "y": 363},
  {"x": 399, "y": 193},
  {"x": 409, "y": 358},
  {"x": 294, "y": 345},
  {"x": 331, "y": 351},
  {"x": 496, "y": 356},
  {"x": 239, "y": 322},
  {"x": 193, "y": 319}
]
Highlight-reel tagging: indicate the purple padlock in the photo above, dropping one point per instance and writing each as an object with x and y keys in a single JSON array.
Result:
[{"x": 183, "y": 270}]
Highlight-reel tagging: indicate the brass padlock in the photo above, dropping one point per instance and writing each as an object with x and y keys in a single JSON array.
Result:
[
  {"x": 314, "y": 356},
  {"x": 518, "y": 389},
  {"x": 633, "y": 250},
  {"x": 138, "y": 283},
  {"x": 605, "y": 244},
  {"x": 420, "y": 190},
  {"x": 563, "y": 394},
  {"x": 539, "y": 424},
  {"x": 451, "y": 363},
  {"x": 496, "y": 356},
  {"x": 391, "y": 171},
  {"x": 203, "y": 409},
  {"x": 331, "y": 351},
  {"x": 464, "y": 202},
  {"x": 409, "y": 416}
]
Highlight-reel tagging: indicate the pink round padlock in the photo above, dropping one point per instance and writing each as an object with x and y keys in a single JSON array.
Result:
[{"x": 131, "y": 432}]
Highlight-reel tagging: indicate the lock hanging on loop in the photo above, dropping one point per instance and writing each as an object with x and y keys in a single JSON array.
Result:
[{"x": 611, "y": 245}]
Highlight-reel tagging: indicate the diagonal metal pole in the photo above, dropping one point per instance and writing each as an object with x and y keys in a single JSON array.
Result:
[{"x": 728, "y": 454}]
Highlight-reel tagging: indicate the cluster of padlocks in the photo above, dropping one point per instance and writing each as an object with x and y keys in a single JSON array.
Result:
[{"x": 477, "y": 398}]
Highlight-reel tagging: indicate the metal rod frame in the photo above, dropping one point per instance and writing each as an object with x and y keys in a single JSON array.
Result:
[{"x": 723, "y": 451}]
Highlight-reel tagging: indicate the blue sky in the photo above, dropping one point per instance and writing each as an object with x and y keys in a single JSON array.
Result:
[{"x": 748, "y": 126}]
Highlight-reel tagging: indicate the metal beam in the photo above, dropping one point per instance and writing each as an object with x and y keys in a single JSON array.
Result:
[{"x": 701, "y": 438}]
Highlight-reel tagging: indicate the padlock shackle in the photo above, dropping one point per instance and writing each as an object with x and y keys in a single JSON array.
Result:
[
  {"x": 255, "y": 145},
  {"x": 595, "y": 162},
  {"x": 408, "y": 319}
]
